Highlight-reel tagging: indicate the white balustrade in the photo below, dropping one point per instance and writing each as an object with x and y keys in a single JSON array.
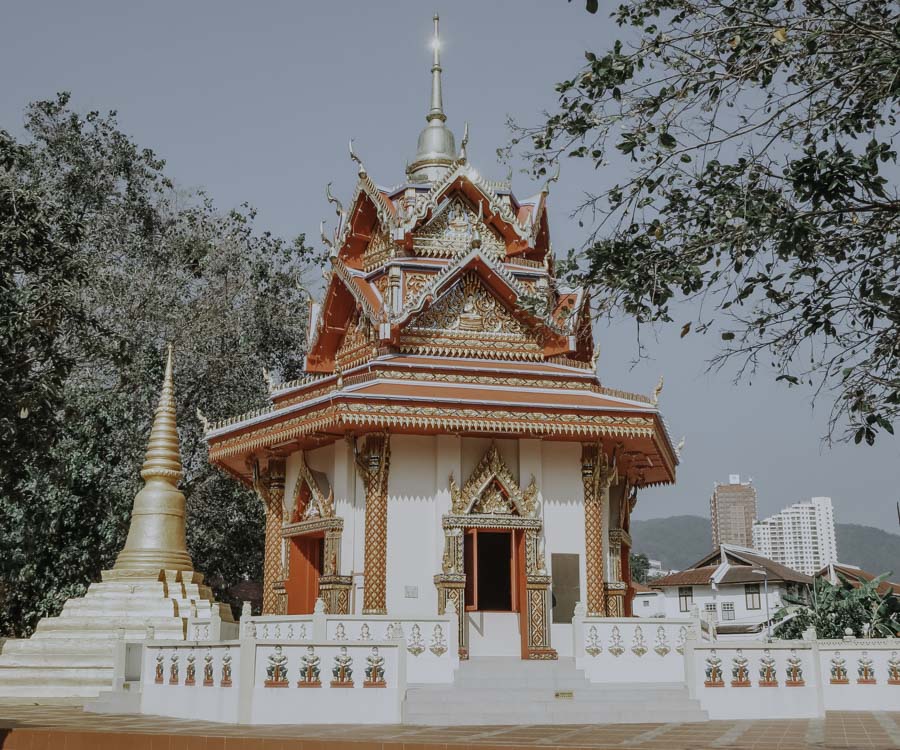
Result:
[
  {"x": 794, "y": 679},
  {"x": 210, "y": 693},
  {"x": 237, "y": 681},
  {"x": 431, "y": 642},
  {"x": 632, "y": 649}
]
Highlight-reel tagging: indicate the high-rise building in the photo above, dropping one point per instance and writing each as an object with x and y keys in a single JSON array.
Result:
[
  {"x": 732, "y": 511},
  {"x": 800, "y": 536}
]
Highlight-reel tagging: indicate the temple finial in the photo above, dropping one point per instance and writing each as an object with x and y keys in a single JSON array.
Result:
[
  {"x": 437, "y": 99},
  {"x": 163, "y": 457},
  {"x": 436, "y": 151}
]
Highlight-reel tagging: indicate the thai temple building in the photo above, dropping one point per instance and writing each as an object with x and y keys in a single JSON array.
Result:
[
  {"x": 450, "y": 441},
  {"x": 448, "y": 493}
]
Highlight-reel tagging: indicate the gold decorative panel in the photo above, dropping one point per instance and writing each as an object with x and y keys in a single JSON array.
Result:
[
  {"x": 452, "y": 230},
  {"x": 596, "y": 475},
  {"x": 358, "y": 344},
  {"x": 270, "y": 488},
  {"x": 469, "y": 320},
  {"x": 373, "y": 462},
  {"x": 379, "y": 250}
]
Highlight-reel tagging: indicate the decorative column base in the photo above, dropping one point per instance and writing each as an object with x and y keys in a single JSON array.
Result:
[
  {"x": 537, "y": 618},
  {"x": 452, "y": 589},
  {"x": 615, "y": 592},
  {"x": 280, "y": 598},
  {"x": 335, "y": 592}
]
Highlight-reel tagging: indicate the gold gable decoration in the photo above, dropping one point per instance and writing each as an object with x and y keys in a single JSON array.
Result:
[
  {"x": 451, "y": 233},
  {"x": 319, "y": 504},
  {"x": 379, "y": 250},
  {"x": 470, "y": 321},
  {"x": 493, "y": 490},
  {"x": 358, "y": 343}
]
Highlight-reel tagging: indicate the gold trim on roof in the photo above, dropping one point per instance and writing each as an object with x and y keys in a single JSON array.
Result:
[{"x": 449, "y": 419}]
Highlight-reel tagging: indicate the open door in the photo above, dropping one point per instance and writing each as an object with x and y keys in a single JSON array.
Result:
[
  {"x": 495, "y": 574},
  {"x": 302, "y": 585}
]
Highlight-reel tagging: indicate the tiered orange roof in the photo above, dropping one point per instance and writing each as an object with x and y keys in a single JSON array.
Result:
[{"x": 442, "y": 314}]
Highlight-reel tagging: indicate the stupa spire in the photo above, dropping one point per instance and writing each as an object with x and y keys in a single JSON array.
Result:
[
  {"x": 163, "y": 457},
  {"x": 437, "y": 147},
  {"x": 156, "y": 538}
]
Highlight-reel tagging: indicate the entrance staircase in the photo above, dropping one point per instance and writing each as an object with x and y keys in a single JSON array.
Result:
[{"x": 500, "y": 690}]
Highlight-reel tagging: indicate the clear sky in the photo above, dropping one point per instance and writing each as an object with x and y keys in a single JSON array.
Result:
[{"x": 256, "y": 102}]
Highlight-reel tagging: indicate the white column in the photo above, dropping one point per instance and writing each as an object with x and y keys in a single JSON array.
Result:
[
  {"x": 344, "y": 486},
  {"x": 448, "y": 460}
]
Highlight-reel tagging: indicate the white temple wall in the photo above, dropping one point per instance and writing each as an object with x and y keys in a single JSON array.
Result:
[
  {"x": 562, "y": 498},
  {"x": 346, "y": 506},
  {"x": 448, "y": 457},
  {"x": 413, "y": 537}
]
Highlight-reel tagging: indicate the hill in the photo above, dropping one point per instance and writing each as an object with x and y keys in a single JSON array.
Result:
[
  {"x": 871, "y": 549},
  {"x": 679, "y": 541}
]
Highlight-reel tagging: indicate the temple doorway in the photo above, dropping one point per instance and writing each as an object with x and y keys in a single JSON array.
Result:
[
  {"x": 306, "y": 564},
  {"x": 495, "y": 585}
]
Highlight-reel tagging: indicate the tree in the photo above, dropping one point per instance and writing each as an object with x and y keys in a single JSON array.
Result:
[
  {"x": 755, "y": 139},
  {"x": 833, "y": 609},
  {"x": 639, "y": 566},
  {"x": 103, "y": 263}
]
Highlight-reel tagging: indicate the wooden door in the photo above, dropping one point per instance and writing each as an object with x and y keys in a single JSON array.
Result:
[{"x": 302, "y": 586}]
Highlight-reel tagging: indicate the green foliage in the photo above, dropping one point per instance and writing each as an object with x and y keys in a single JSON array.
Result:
[
  {"x": 835, "y": 609},
  {"x": 103, "y": 263},
  {"x": 640, "y": 566},
  {"x": 756, "y": 140}
]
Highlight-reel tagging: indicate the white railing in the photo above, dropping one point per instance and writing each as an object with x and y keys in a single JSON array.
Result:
[
  {"x": 431, "y": 642},
  {"x": 633, "y": 649},
  {"x": 793, "y": 679},
  {"x": 253, "y": 681},
  {"x": 210, "y": 628}
]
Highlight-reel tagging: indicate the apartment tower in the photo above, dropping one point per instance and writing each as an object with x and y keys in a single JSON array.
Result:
[
  {"x": 800, "y": 536},
  {"x": 732, "y": 511}
]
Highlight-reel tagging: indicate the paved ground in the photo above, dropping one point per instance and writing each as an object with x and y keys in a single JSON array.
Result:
[{"x": 64, "y": 726}]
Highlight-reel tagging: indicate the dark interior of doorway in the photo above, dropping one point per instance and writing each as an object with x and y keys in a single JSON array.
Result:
[{"x": 495, "y": 556}]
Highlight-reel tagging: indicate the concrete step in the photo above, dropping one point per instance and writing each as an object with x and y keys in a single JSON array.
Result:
[
  {"x": 523, "y": 718},
  {"x": 498, "y": 691},
  {"x": 58, "y": 646},
  {"x": 52, "y": 673},
  {"x": 42, "y": 659},
  {"x": 512, "y": 697},
  {"x": 108, "y": 627}
]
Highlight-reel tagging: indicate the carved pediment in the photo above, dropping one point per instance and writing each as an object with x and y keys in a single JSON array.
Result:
[
  {"x": 493, "y": 490},
  {"x": 313, "y": 496},
  {"x": 357, "y": 343},
  {"x": 466, "y": 320},
  {"x": 451, "y": 232},
  {"x": 379, "y": 250}
]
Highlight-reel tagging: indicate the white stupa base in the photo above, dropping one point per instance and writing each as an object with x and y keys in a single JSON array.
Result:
[{"x": 72, "y": 655}]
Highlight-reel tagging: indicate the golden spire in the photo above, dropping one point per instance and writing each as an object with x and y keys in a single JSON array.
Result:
[
  {"x": 436, "y": 149},
  {"x": 437, "y": 94},
  {"x": 163, "y": 457},
  {"x": 156, "y": 539}
]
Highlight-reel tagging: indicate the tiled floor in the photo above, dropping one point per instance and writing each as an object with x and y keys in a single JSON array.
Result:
[{"x": 62, "y": 725}]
